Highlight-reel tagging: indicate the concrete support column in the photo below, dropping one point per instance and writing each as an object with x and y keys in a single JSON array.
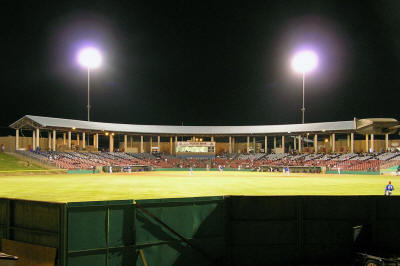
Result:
[
  {"x": 176, "y": 141},
  {"x": 49, "y": 140},
  {"x": 170, "y": 146},
  {"x": 372, "y": 143},
  {"x": 266, "y": 144},
  {"x": 131, "y": 140},
  {"x": 37, "y": 138},
  {"x": 366, "y": 143},
  {"x": 77, "y": 139},
  {"x": 275, "y": 143},
  {"x": 348, "y": 141},
  {"x": 300, "y": 144},
  {"x": 315, "y": 143},
  {"x": 97, "y": 140},
  {"x": 125, "y": 143},
  {"x": 65, "y": 138},
  {"x": 386, "y": 142},
  {"x": 54, "y": 140},
  {"x": 34, "y": 140},
  {"x": 16, "y": 139},
  {"x": 233, "y": 144},
  {"x": 283, "y": 144},
  {"x": 159, "y": 143},
  {"x": 84, "y": 140},
  {"x": 294, "y": 143},
  {"x": 111, "y": 143},
  {"x": 69, "y": 139},
  {"x": 254, "y": 144},
  {"x": 351, "y": 142},
  {"x": 151, "y": 143},
  {"x": 141, "y": 144},
  {"x": 333, "y": 143},
  {"x": 248, "y": 144},
  {"x": 230, "y": 144},
  {"x": 212, "y": 138}
]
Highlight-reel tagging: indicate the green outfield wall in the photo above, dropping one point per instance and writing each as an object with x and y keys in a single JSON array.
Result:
[{"x": 270, "y": 230}]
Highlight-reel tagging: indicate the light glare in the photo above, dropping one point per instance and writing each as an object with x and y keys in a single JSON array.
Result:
[
  {"x": 90, "y": 57},
  {"x": 305, "y": 61}
]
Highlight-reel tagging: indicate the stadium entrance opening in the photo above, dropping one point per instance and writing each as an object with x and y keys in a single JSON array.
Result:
[{"x": 195, "y": 149}]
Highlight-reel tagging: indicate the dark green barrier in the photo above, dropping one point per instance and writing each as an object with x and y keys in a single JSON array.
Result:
[
  {"x": 200, "y": 220},
  {"x": 353, "y": 172},
  {"x": 82, "y": 171},
  {"x": 201, "y": 169}
]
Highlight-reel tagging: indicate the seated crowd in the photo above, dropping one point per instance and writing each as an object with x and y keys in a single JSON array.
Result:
[{"x": 335, "y": 161}]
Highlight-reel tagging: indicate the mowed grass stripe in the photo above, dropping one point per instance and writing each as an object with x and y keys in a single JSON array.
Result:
[{"x": 150, "y": 185}]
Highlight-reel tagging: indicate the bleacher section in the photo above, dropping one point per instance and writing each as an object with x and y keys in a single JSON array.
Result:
[{"x": 90, "y": 160}]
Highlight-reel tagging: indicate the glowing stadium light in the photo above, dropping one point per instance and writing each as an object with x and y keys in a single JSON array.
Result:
[
  {"x": 305, "y": 61},
  {"x": 90, "y": 58}
]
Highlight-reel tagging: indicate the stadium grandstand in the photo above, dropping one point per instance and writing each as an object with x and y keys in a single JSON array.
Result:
[{"x": 355, "y": 145}]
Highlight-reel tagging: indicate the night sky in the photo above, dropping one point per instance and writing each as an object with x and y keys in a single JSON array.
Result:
[{"x": 200, "y": 62}]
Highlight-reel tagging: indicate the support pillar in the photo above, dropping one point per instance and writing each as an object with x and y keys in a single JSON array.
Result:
[
  {"x": 170, "y": 145},
  {"x": 315, "y": 143},
  {"x": 351, "y": 142},
  {"x": 254, "y": 144},
  {"x": 266, "y": 144},
  {"x": 141, "y": 144},
  {"x": 125, "y": 143},
  {"x": 275, "y": 144},
  {"x": 386, "y": 142},
  {"x": 176, "y": 141},
  {"x": 372, "y": 143},
  {"x": 131, "y": 140},
  {"x": 37, "y": 138},
  {"x": 248, "y": 144},
  {"x": 34, "y": 140},
  {"x": 151, "y": 143},
  {"x": 77, "y": 139},
  {"x": 69, "y": 139},
  {"x": 366, "y": 143},
  {"x": 212, "y": 138},
  {"x": 294, "y": 143},
  {"x": 54, "y": 140},
  {"x": 233, "y": 145},
  {"x": 97, "y": 141},
  {"x": 348, "y": 141},
  {"x": 111, "y": 143},
  {"x": 16, "y": 139},
  {"x": 283, "y": 144},
  {"x": 84, "y": 140},
  {"x": 49, "y": 140},
  {"x": 230, "y": 144},
  {"x": 65, "y": 138},
  {"x": 333, "y": 143},
  {"x": 300, "y": 144},
  {"x": 159, "y": 143}
]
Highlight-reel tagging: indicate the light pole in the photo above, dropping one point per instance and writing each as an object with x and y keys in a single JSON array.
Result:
[
  {"x": 304, "y": 62},
  {"x": 90, "y": 58}
]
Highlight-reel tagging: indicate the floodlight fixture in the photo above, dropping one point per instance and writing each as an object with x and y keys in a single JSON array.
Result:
[
  {"x": 305, "y": 61},
  {"x": 90, "y": 58}
]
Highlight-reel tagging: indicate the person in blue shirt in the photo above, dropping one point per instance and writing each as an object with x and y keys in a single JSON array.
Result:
[{"x": 389, "y": 189}]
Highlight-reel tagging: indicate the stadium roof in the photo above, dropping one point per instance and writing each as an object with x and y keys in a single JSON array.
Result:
[{"x": 50, "y": 123}]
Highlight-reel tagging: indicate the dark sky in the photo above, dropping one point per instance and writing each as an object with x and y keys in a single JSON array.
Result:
[{"x": 200, "y": 62}]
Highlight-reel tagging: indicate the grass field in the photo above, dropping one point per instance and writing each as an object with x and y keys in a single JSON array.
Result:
[
  {"x": 9, "y": 163},
  {"x": 148, "y": 185}
]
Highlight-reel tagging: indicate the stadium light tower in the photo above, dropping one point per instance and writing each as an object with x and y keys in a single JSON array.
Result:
[
  {"x": 90, "y": 58},
  {"x": 303, "y": 62}
]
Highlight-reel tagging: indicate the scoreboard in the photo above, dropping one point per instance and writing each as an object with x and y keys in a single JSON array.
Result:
[{"x": 195, "y": 147}]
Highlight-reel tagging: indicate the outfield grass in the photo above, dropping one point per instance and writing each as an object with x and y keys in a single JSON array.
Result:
[
  {"x": 9, "y": 163},
  {"x": 148, "y": 185}
]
